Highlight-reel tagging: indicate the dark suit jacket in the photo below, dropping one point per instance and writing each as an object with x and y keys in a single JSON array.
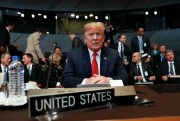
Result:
[
  {"x": 77, "y": 42},
  {"x": 163, "y": 70},
  {"x": 36, "y": 74},
  {"x": 4, "y": 36},
  {"x": 78, "y": 66},
  {"x": 145, "y": 67},
  {"x": 135, "y": 44},
  {"x": 109, "y": 36},
  {"x": 156, "y": 60},
  {"x": 126, "y": 51}
]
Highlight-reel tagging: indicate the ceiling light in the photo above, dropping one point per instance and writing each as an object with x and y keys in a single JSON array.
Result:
[
  {"x": 106, "y": 17},
  {"x": 45, "y": 16},
  {"x": 56, "y": 17},
  {"x": 146, "y": 13},
  {"x": 155, "y": 12},
  {"x": 77, "y": 16},
  {"x": 96, "y": 17},
  {"x": 22, "y": 15},
  {"x": 91, "y": 15},
  {"x": 72, "y": 15},
  {"x": 18, "y": 13},
  {"x": 86, "y": 17},
  {"x": 33, "y": 16}
]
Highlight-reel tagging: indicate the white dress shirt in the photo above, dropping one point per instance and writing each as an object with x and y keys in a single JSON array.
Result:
[
  {"x": 141, "y": 70},
  {"x": 169, "y": 64}
]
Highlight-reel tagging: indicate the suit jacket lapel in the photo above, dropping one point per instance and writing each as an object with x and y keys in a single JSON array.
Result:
[
  {"x": 135, "y": 69},
  {"x": 104, "y": 62},
  {"x": 86, "y": 61}
]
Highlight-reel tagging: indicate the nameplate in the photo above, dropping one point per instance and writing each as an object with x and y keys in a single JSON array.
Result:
[{"x": 67, "y": 99}]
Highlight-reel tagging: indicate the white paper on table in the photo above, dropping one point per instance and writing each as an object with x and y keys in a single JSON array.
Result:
[
  {"x": 1, "y": 79},
  {"x": 2, "y": 98},
  {"x": 114, "y": 83}
]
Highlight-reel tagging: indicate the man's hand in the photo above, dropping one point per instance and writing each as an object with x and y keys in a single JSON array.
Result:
[
  {"x": 139, "y": 78},
  {"x": 164, "y": 78},
  {"x": 43, "y": 60},
  {"x": 97, "y": 79},
  {"x": 152, "y": 78}
]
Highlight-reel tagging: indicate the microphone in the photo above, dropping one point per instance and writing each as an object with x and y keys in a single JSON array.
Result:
[
  {"x": 50, "y": 66},
  {"x": 55, "y": 43}
]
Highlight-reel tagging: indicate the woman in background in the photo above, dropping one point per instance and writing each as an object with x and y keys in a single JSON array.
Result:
[{"x": 57, "y": 63}]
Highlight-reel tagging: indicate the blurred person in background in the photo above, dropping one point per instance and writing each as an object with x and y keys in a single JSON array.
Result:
[
  {"x": 168, "y": 68},
  {"x": 5, "y": 61},
  {"x": 123, "y": 50},
  {"x": 57, "y": 62},
  {"x": 5, "y": 33},
  {"x": 32, "y": 71},
  {"x": 33, "y": 46},
  {"x": 109, "y": 33},
  {"x": 76, "y": 41}
]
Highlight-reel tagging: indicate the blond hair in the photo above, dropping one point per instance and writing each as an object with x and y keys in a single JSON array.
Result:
[
  {"x": 93, "y": 25},
  {"x": 169, "y": 51}
]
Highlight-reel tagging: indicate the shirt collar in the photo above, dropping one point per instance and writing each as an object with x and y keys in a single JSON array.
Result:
[
  {"x": 29, "y": 66},
  {"x": 119, "y": 43},
  {"x": 170, "y": 62},
  {"x": 91, "y": 52},
  {"x": 139, "y": 37},
  {"x": 138, "y": 64}
]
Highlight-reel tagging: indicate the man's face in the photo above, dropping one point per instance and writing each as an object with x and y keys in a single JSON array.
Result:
[
  {"x": 170, "y": 56},
  {"x": 94, "y": 39},
  {"x": 40, "y": 34},
  {"x": 71, "y": 36},
  {"x": 136, "y": 58},
  {"x": 6, "y": 60},
  {"x": 122, "y": 39},
  {"x": 162, "y": 49},
  {"x": 26, "y": 60},
  {"x": 140, "y": 31},
  {"x": 11, "y": 27},
  {"x": 57, "y": 51}
]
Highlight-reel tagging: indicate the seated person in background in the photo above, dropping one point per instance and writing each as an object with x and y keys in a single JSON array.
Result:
[
  {"x": 168, "y": 68},
  {"x": 93, "y": 63},
  {"x": 160, "y": 57},
  {"x": 32, "y": 71},
  {"x": 5, "y": 61},
  {"x": 3, "y": 48},
  {"x": 57, "y": 62},
  {"x": 140, "y": 71},
  {"x": 154, "y": 49}
]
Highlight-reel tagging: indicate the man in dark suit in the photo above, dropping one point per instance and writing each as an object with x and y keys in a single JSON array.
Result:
[
  {"x": 93, "y": 63},
  {"x": 5, "y": 61},
  {"x": 140, "y": 43},
  {"x": 4, "y": 33},
  {"x": 123, "y": 50},
  {"x": 76, "y": 41},
  {"x": 156, "y": 60},
  {"x": 32, "y": 71},
  {"x": 167, "y": 69},
  {"x": 109, "y": 33},
  {"x": 140, "y": 71}
]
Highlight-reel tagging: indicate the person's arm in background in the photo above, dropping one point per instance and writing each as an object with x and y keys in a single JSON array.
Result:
[{"x": 36, "y": 43}]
